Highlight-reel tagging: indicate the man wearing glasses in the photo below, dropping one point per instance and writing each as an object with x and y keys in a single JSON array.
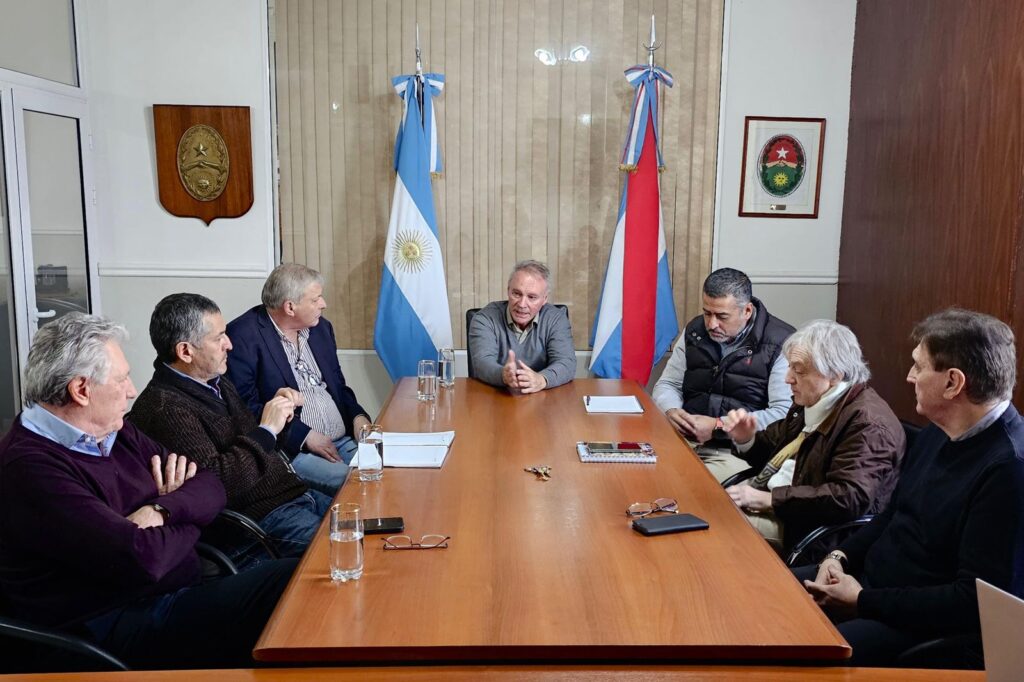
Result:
[{"x": 287, "y": 343}]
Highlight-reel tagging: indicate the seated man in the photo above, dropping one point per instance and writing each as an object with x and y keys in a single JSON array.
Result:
[
  {"x": 957, "y": 513},
  {"x": 523, "y": 343},
  {"x": 189, "y": 407},
  {"x": 98, "y": 523},
  {"x": 834, "y": 458},
  {"x": 729, "y": 358},
  {"x": 286, "y": 343}
]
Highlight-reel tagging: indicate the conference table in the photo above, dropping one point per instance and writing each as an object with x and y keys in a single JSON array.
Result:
[{"x": 546, "y": 571}]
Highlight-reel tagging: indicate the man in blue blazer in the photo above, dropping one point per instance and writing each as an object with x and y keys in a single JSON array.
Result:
[{"x": 287, "y": 342}]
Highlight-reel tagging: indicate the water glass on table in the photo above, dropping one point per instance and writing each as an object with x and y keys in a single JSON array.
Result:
[
  {"x": 446, "y": 367},
  {"x": 346, "y": 542},
  {"x": 370, "y": 455},
  {"x": 426, "y": 377}
]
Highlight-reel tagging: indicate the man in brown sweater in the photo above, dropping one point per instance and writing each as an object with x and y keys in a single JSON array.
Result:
[{"x": 189, "y": 407}]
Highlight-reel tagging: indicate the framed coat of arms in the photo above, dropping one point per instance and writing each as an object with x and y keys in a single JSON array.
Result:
[
  {"x": 781, "y": 176},
  {"x": 203, "y": 160}
]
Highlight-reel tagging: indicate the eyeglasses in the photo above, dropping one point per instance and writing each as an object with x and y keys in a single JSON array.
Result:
[
  {"x": 307, "y": 373},
  {"x": 426, "y": 542},
  {"x": 662, "y": 504}
]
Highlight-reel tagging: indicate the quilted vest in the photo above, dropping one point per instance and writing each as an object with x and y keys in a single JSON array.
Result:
[{"x": 740, "y": 378}]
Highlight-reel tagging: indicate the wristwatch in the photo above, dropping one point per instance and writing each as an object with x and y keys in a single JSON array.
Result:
[
  {"x": 838, "y": 556},
  {"x": 163, "y": 511}
]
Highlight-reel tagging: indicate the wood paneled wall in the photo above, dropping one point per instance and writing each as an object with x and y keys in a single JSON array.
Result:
[
  {"x": 935, "y": 174},
  {"x": 531, "y": 152}
]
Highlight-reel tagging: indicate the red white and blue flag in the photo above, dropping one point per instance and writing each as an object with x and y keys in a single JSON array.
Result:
[{"x": 636, "y": 319}]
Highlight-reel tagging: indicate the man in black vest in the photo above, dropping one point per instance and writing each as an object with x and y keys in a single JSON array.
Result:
[{"x": 727, "y": 358}]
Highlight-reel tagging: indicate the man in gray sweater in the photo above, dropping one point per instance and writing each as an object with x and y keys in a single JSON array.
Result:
[{"x": 523, "y": 343}]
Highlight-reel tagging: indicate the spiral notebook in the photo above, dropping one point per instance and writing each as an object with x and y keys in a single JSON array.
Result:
[{"x": 645, "y": 455}]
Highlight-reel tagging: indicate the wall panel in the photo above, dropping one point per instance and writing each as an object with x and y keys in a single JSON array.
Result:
[
  {"x": 531, "y": 152},
  {"x": 933, "y": 214}
]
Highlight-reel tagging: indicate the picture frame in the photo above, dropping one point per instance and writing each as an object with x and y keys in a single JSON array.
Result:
[{"x": 781, "y": 171}]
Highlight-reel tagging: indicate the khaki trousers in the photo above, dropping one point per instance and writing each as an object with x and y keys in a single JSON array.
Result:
[{"x": 720, "y": 461}]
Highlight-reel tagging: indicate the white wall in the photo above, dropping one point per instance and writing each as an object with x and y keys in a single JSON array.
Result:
[
  {"x": 790, "y": 58},
  {"x": 137, "y": 54}
]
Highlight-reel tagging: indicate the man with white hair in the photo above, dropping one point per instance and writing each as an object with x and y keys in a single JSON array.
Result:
[
  {"x": 834, "y": 457},
  {"x": 286, "y": 342},
  {"x": 523, "y": 343},
  {"x": 98, "y": 523}
]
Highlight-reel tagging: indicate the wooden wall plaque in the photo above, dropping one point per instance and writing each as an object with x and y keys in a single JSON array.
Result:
[{"x": 203, "y": 160}]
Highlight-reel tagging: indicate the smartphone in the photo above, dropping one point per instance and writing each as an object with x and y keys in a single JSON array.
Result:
[
  {"x": 618, "y": 446},
  {"x": 391, "y": 524}
]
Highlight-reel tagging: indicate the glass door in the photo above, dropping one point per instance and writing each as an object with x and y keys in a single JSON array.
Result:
[
  {"x": 10, "y": 384},
  {"x": 56, "y": 200}
]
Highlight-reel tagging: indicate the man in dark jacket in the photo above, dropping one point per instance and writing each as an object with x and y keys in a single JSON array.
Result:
[
  {"x": 958, "y": 510},
  {"x": 836, "y": 455},
  {"x": 189, "y": 407},
  {"x": 286, "y": 342},
  {"x": 728, "y": 358}
]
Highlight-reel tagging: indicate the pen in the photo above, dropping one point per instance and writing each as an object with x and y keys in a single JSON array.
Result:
[{"x": 586, "y": 400}]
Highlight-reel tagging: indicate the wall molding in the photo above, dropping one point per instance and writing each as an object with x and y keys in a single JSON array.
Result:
[
  {"x": 793, "y": 277},
  {"x": 182, "y": 270}
]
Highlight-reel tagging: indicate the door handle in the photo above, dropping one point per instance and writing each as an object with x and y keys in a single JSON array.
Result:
[{"x": 40, "y": 315}]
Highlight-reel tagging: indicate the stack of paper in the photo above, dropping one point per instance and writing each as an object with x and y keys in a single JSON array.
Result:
[
  {"x": 417, "y": 450},
  {"x": 603, "y": 404}
]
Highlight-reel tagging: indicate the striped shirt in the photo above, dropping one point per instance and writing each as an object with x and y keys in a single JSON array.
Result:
[{"x": 319, "y": 411}]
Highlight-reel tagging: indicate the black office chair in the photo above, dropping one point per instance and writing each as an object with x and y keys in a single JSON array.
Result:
[
  {"x": 470, "y": 314},
  {"x": 233, "y": 531},
  {"x": 26, "y": 647}
]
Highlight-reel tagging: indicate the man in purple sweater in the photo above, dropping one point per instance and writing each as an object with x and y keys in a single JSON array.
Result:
[{"x": 98, "y": 523}]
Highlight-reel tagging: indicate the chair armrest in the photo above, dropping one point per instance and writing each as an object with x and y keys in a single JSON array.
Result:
[
  {"x": 739, "y": 477},
  {"x": 961, "y": 652},
  {"x": 27, "y": 632},
  {"x": 249, "y": 526},
  {"x": 823, "y": 532},
  {"x": 217, "y": 557}
]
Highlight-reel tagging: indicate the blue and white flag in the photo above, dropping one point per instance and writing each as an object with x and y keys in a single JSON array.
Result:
[{"x": 413, "y": 318}]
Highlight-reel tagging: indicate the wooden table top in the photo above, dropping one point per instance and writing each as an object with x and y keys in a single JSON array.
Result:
[
  {"x": 546, "y": 571},
  {"x": 574, "y": 673}
]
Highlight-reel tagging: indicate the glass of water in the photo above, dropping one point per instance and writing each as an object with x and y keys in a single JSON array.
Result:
[
  {"x": 426, "y": 387},
  {"x": 446, "y": 367},
  {"x": 371, "y": 452},
  {"x": 346, "y": 542}
]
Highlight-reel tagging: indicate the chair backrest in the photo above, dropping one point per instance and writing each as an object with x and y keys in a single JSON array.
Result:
[{"x": 470, "y": 314}]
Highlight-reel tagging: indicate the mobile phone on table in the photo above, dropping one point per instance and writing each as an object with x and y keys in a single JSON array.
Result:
[
  {"x": 391, "y": 524},
  {"x": 615, "y": 446}
]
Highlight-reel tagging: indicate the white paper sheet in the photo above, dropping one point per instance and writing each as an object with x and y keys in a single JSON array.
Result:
[
  {"x": 604, "y": 404},
  {"x": 417, "y": 450}
]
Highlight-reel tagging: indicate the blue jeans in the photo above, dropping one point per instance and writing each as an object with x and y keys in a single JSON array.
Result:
[
  {"x": 293, "y": 524},
  {"x": 322, "y": 475}
]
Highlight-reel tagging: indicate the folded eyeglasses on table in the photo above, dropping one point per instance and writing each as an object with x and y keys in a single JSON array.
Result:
[
  {"x": 426, "y": 542},
  {"x": 662, "y": 504}
]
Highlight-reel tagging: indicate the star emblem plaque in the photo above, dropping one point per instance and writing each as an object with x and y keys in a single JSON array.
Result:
[
  {"x": 203, "y": 160},
  {"x": 781, "y": 171}
]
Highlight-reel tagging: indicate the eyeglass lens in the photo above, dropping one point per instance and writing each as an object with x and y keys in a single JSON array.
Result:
[{"x": 662, "y": 504}]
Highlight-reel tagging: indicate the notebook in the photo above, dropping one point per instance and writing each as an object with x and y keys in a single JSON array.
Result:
[
  {"x": 645, "y": 455},
  {"x": 1002, "y": 619}
]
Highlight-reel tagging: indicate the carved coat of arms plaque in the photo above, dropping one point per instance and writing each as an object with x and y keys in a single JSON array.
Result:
[{"x": 204, "y": 160}]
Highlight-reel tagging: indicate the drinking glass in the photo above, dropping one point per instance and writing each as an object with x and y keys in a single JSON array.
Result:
[
  {"x": 426, "y": 387},
  {"x": 371, "y": 452},
  {"x": 446, "y": 367},
  {"x": 346, "y": 542}
]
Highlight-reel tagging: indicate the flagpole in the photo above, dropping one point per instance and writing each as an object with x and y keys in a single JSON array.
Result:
[
  {"x": 419, "y": 75},
  {"x": 651, "y": 47}
]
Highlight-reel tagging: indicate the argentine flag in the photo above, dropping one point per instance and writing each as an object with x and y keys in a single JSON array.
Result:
[
  {"x": 636, "y": 319},
  {"x": 413, "y": 319}
]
